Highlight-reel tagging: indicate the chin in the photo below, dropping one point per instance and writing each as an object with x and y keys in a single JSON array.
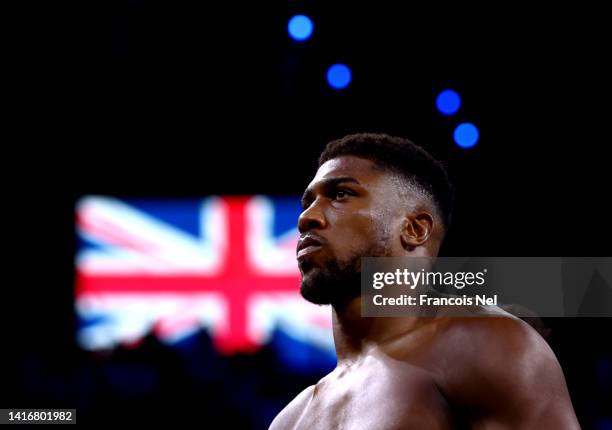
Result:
[
  {"x": 314, "y": 288},
  {"x": 329, "y": 285}
]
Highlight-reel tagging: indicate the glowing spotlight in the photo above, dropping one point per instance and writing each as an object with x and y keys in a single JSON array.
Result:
[
  {"x": 466, "y": 135},
  {"x": 300, "y": 27},
  {"x": 448, "y": 102},
  {"x": 338, "y": 76}
]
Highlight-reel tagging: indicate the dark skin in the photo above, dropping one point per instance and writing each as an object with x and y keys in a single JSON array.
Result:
[{"x": 440, "y": 372}]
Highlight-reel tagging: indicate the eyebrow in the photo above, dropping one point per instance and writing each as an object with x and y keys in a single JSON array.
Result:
[{"x": 327, "y": 183}]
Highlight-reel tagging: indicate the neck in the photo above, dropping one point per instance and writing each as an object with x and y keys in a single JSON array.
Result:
[{"x": 355, "y": 336}]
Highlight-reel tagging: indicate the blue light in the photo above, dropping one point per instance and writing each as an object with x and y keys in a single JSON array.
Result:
[
  {"x": 338, "y": 76},
  {"x": 466, "y": 135},
  {"x": 448, "y": 102},
  {"x": 300, "y": 27}
]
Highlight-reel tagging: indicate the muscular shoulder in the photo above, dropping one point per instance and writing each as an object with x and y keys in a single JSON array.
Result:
[
  {"x": 502, "y": 367},
  {"x": 291, "y": 413},
  {"x": 495, "y": 344}
]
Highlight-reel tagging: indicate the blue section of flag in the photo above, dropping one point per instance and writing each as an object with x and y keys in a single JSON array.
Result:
[
  {"x": 92, "y": 320},
  {"x": 181, "y": 214},
  {"x": 286, "y": 213},
  {"x": 83, "y": 243}
]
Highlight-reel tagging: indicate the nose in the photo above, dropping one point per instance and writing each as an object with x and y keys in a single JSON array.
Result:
[{"x": 312, "y": 218}]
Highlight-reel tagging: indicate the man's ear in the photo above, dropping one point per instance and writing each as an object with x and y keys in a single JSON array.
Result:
[{"x": 416, "y": 229}]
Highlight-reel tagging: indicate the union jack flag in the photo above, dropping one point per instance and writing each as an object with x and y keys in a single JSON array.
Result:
[{"x": 172, "y": 267}]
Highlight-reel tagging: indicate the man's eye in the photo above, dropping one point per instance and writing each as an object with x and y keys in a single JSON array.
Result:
[{"x": 341, "y": 194}]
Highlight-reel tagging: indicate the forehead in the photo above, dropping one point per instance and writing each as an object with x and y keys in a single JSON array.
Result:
[{"x": 358, "y": 168}]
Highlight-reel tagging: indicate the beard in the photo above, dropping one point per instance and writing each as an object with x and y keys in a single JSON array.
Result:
[
  {"x": 333, "y": 283},
  {"x": 336, "y": 282}
]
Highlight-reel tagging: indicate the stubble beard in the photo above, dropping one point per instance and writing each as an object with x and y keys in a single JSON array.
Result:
[{"x": 336, "y": 282}]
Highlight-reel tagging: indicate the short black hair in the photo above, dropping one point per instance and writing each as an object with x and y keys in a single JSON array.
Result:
[{"x": 403, "y": 157}]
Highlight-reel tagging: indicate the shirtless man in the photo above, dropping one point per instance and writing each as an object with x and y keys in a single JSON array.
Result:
[{"x": 376, "y": 195}]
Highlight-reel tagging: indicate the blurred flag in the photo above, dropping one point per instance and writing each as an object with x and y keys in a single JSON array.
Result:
[{"x": 172, "y": 267}]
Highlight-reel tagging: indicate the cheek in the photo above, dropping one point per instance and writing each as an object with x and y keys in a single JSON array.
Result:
[{"x": 356, "y": 232}]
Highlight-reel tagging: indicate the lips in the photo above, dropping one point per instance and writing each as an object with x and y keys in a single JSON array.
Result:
[{"x": 307, "y": 245}]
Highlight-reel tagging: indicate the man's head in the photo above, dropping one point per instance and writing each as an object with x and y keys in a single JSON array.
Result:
[{"x": 373, "y": 195}]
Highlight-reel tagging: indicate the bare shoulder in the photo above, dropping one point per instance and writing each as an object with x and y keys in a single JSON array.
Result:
[
  {"x": 291, "y": 413},
  {"x": 496, "y": 360},
  {"x": 495, "y": 341}
]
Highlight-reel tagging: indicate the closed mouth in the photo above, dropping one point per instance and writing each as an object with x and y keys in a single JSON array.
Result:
[{"x": 307, "y": 245}]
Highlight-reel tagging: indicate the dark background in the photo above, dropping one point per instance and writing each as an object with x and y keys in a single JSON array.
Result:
[{"x": 145, "y": 98}]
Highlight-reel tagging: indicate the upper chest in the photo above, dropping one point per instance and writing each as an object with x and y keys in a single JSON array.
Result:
[{"x": 375, "y": 395}]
